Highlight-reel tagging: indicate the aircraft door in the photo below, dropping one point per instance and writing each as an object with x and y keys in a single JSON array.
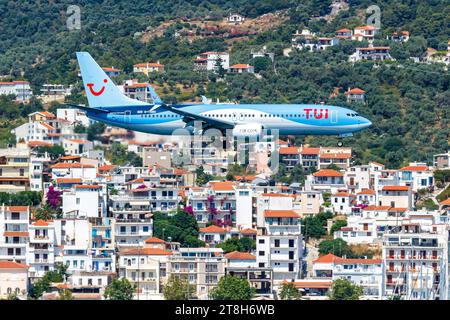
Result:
[
  {"x": 127, "y": 116},
  {"x": 334, "y": 116}
]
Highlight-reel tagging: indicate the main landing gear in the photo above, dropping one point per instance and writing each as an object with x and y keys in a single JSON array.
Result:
[{"x": 340, "y": 143}]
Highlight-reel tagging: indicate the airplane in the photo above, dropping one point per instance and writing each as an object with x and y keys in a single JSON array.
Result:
[{"x": 109, "y": 105}]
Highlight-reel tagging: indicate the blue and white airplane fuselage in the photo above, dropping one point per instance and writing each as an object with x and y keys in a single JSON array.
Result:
[{"x": 108, "y": 104}]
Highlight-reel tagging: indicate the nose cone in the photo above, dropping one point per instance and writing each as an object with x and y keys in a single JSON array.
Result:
[{"x": 365, "y": 123}]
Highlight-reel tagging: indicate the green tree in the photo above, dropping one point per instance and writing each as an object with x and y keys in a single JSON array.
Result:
[
  {"x": 46, "y": 212},
  {"x": 95, "y": 130},
  {"x": 343, "y": 289},
  {"x": 262, "y": 63},
  {"x": 65, "y": 294},
  {"x": 289, "y": 292},
  {"x": 243, "y": 244},
  {"x": 232, "y": 288},
  {"x": 177, "y": 289},
  {"x": 201, "y": 176},
  {"x": 120, "y": 289},
  {"x": 54, "y": 152},
  {"x": 338, "y": 224},
  {"x": 338, "y": 247}
]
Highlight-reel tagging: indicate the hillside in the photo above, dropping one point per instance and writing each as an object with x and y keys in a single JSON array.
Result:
[{"x": 408, "y": 103}]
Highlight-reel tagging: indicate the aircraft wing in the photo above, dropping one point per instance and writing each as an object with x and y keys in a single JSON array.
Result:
[
  {"x": 188, "y": 117},
  {"x": 86, "y": 108}
]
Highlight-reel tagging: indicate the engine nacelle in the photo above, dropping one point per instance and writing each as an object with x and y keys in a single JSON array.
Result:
[{"x": 247, "y": 130}]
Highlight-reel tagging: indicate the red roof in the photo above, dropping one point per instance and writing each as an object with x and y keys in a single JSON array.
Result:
[
  {"x": 330, "y": 258},
  {"x": 222, "y": 186},
  {"x": 281, "y": 214},
  {"x": 67, "y": 165},
  {"x": 365, "y": 28},
  {"x": 236, "y": 255},
  {"x": 70, "y": 158},
  {"x": 446, "y": 202},
  {"x": 280, "y": 195},
  {"x": 106, "y": 167},
  {"x": 154, "y": 240},
  {"x": 149, "y": 64},
  {"x": 339, "y": 155},
  {"x": 395, "y": 188},
  {"x": 313, "y": 284},
  {"x": 355, "y": 91},
  {"x": 213, "y": 229},
  {"x": 327, "y": 173},
  {"x": 79, "y": 141},
  {"x": 40, "y": 223},
  {"x": 248, "y": 231},
  {"x": 343, "y": 30},
  {"x": 414, "y": 168},
  {"x": 367, "y": 191},
  {"x": 310, "y": 151},
  {"x": 341, "y": 194},
  {"x": 289, "y": 150},
  {"x": 241, "y": 66},
  {"x": 377, "y": 208},
  {"x": 34, "y": 143},
  {"x": 110, "y": 69},
  {"x": 46, "y": 125},
  {"x": 88, "y": 186},
  {"x": 15, "y": 234},
  {"x": 68, "y": 180},
  {"x": 146, "y": 251},
  {"x": 16, "y": 208},
  {"x": 12, "y": 265}
]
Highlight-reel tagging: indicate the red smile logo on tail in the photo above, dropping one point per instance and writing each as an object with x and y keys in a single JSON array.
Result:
[{"x": 96, "y": 93}]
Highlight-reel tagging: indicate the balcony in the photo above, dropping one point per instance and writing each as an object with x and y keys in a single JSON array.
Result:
[{"x": 134, "y": 220}]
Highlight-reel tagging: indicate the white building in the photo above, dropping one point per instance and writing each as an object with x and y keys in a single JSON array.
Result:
[
  {"x": 416, "y": 175},
  {"x": 73, "y": 116},
  {"x": 280, "y": 247},
  {"x": 14, "y": 234},
  {"x": 208, "y": 61},
  {"x": 84, "y": 201},
  {"x": 41, "y": 251},
  {"x": 20, "y": 89}
]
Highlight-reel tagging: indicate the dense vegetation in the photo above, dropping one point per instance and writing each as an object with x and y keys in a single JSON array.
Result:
[{"x": 408, "y": 103}]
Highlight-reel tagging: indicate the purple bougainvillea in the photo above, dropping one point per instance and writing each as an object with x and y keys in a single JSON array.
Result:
[
  {"x": 53, "y": 197},
  {"x": 189, "y": 210}
]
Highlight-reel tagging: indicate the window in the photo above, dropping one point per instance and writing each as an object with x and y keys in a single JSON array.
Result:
[
  {"x": 291, "y": 267},
  {"x": 261, "y": 265},
  {"x": 261, "y": 253},
  {"x": 277, "y": 243},
  {"x": 261, "y": 241}
]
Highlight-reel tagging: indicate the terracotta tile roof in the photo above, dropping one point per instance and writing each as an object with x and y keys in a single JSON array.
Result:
[
  {"x": 415, "y": 168},
  {"x": 374, "y": 48},
  {"x": 146, "y": 251},
  {"x": 15, "y": 234},
  {"x": 248, "y": 231},
  {"x": 377, "y": 208},
  {"x": 328, "y": 258},
  {"x": 341, "y": 194},
  {"x": 40, "y": 223},
  {"x": 339, "y": 155},
  {"x": 310, "y": 151},
  {"x": 314, "y": 284},
  {"x": 446, "y": 202},
  {"x": 149, "y": 64},
  {"x": 367, "y": 191},
  {"x": 343, "y": 30},
  {"x": 67, "y": 165},
  {"x": 240, "y": 66},
  {"x": 34, "y": 143},
  {"x": 79, "y": 141},
  {"x": 212, "y": 229},
  {"x": 68, "y": 180},
  {"x": 154, "y": 240},
  {"x": 281, "y": 214},
  {"x": 236, "y": 255},
  {"x": 12, "y": 265},
  {"x": 365, "y": 28},
  {"x": 222, "y": 186},
  {"x": 47, "y": 126},
  {"x": 17, "y": 208},
  {"x": 392, "y": 209},
  {"x": 87, "y": 186},
  {"x": 107, "y": 167},
  {"x": 289, "y": 150},
  {"x": 281, "y": 195},
  {"x": 282, "y": 142},
  {"x": 70, "y": 158},
  {"x": 395, "y": 188},
  {"x": 355, "y": 91},
  {"x": 327, "y": 173},
  {"x": 110, "y": 69}
]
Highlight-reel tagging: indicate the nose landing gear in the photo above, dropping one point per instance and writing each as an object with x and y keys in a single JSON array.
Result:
[{"x": 340, "y": 143}]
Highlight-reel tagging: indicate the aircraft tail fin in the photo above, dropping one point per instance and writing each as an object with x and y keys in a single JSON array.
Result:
[{"x": 100, "y": 89}]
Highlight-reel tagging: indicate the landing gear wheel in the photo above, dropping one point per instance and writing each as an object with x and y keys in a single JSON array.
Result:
[{"x": 340, "y": 143}]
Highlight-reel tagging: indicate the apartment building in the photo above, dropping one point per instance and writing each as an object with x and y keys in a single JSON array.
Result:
[
  {"x": 364, "y": 33},
  {"x": 142, "y": 266},
  {"x": 310, "y": 202},
  {"x": 280, "y": 246},
  {"x": 243, "y": 265},
  {"x": 325, "y": 180},
  {"x": 208, "y": 61},
  {"x": 368, "y": 273},
  {"x": 201, "y": 267},
  {"x": 13, "y": 279},
  {"x": 14, "y": 168},
  {"x": 41, "y": 248},
  {"x": 441, "y": 161},
  {"x": 133, "y": 215},
  {"x": 417, "y": 176},
  {"x": 148, "y": 67},
  {"x": 102, "y": 247},
  {"x": 342, "y": 202},
  {"x": 396, "y": 197},
  {"x": 14, "y": 221},
  {"x": 416, "y": 263},
  {"x": 20, "y": 89},
  {"x": 84, "y": 200},
  {"x": 372, "y": 54}
]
